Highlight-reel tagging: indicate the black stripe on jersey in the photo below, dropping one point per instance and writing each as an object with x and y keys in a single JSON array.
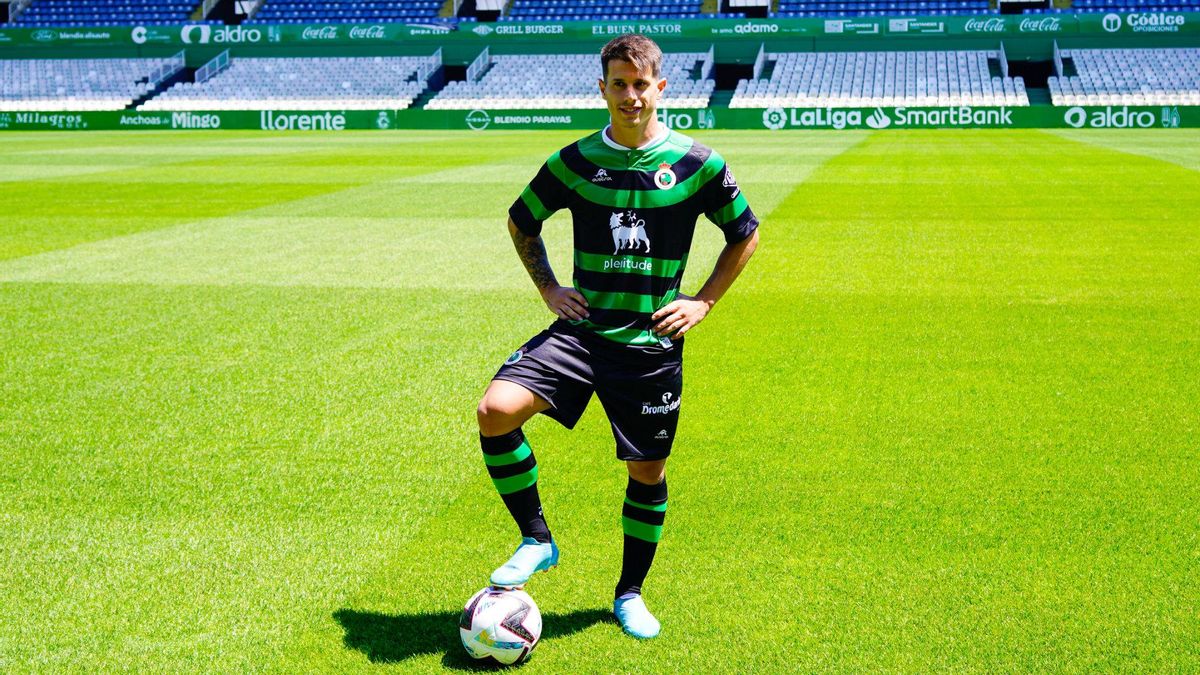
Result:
[
  {"x": 608, "y": 282},
  {"x": 618, "y": 318},
  {"x": 550, "y": 190},
  {"x": 687, "y": 165},
  {"x": 523, "y": 219},
  {"x": 741, "y": 227}
]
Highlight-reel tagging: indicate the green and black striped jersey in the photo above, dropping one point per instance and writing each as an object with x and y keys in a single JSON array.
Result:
[{"x": 634, "y": 213}]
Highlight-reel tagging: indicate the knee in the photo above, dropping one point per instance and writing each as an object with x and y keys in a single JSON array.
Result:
[
  {"x": 648, "y": 473},
  {"x": 496, "y": 418}
]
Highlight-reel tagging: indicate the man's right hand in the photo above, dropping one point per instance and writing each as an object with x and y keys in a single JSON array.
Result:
[{"x": 565, "y": 302}]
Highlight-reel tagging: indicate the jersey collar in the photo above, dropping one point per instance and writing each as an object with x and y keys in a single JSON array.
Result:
[{"x": 662, "y": 136}]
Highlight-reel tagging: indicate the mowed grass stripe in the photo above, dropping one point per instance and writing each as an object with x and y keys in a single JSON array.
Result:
[
  {"x": 394, "y": 232},
  {"x": 1176, "y": 146},
  {"x": 1012, "y": 214},
  {"x": 51, "y": 214}
]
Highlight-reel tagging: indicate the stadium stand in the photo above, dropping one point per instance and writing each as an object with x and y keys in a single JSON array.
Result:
[
  {"x": 557, "y": 81},
  {"x": 106, "y": 12},
  {"x": 76, "y": 84},
  {"x": 344, "y": 83},
  {"x": 1129, "y": 77},
  {"x": 347, "y": 11},
  {"x": 793, "y": 9},
  {"x": 880, "y": 79},
  {"x": 601, "y": 10}
]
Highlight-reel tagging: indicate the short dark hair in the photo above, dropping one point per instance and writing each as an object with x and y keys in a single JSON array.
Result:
[{"x": 635, "y": 48}]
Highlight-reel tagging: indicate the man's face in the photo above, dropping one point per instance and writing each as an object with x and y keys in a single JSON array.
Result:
[{"x": 632, "y": 95}]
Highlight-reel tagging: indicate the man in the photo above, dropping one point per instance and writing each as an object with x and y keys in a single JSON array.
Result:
[{"x": 635, "y": 191}]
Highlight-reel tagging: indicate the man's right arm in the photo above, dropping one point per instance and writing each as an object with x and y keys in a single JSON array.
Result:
[{"x": 564, "y": 301}]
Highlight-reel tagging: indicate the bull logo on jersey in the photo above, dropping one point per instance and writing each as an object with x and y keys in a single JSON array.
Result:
[{"x": 628, "y": 234}]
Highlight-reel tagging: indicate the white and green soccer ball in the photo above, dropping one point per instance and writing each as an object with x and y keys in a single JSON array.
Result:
[{"x": 500, "y": 624}]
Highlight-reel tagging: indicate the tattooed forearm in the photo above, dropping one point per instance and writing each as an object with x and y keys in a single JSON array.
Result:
[{"x": 532, "y": 252}]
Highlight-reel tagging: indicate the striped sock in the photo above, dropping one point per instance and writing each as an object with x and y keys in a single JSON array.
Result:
[
  {"x": 642, "y": 519},
  {"x": 513, "y": 468}
]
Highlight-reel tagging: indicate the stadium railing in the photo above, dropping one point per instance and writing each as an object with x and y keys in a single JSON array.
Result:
[{"x": 213, "y": 67}]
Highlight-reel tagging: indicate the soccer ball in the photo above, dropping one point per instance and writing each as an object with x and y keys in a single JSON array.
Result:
[{"x": 500, "y": 624}]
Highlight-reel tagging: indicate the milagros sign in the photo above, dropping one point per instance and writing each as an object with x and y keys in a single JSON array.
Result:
[{"x": 777, "y": 120}]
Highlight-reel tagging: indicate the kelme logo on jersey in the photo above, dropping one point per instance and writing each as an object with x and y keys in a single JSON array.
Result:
[
  {"x": 664, "y": 178},
  {"x": 669, "y": 404},
  {"x": 628, "y": 232}
]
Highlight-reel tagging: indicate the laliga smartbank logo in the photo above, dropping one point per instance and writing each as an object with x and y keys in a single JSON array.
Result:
[
  {"x": 774, "y": 118},
  {"x": 843, "y": 118}
]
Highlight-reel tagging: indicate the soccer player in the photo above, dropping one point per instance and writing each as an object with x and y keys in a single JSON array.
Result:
[{"x": 634, "y": 190}]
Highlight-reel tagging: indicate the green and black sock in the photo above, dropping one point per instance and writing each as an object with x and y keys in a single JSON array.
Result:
[
  {"x": 642, "y": 519},
  {"x": 513, "y": 468}
]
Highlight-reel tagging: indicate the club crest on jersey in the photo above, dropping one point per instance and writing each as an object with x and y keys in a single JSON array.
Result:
[
  {"x": 628, "y": 231},
  {"x": 664, "y": 178},
  {"x": 601, "y": 176}
]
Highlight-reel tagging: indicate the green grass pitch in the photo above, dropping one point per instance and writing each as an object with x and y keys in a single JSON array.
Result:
[{"x": 946, "y": 420}]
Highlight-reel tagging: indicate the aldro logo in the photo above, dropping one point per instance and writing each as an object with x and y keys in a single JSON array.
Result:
[
  {"x": 628, "y": 232},
  {"x": 1118, "y": 118},
  {"x": 204, "y": 34}
]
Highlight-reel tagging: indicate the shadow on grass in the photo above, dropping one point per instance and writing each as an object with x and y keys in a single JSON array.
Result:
[{"x": 388, "y": 638}]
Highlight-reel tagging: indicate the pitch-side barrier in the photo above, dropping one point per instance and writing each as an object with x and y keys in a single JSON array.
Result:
[{"x": 776, "y": 119}]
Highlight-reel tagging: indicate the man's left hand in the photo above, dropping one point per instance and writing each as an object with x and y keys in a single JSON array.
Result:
[{"x": 679, "y": 316}]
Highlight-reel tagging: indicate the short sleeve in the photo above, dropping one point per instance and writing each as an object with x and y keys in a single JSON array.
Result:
[
  {"x": 726, "y": 206},
  {"x": 544, "y": 195}
]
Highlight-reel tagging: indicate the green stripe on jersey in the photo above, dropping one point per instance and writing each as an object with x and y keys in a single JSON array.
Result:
[
  {"x": 634, "y": 302},
  {"x": 628, "y": 264},
  {"x": 595, "y": 150},
  {"x": 634, "y": 528},
  {"x": 635, "y": 199},
  {"x": 629, "y": 336},
  {"x": 507, "y": 458},
  {"x": 539, "y": 211},
  {"x": 731, "y": 211}
]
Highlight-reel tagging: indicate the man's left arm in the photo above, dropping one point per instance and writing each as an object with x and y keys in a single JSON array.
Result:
[{"x": 684, "y": 312}]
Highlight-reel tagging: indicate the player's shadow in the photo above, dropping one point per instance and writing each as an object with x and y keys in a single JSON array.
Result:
[{"x": 388, "y": 638}]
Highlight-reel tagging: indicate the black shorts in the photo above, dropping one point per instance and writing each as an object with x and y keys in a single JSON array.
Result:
[{"x": 639, "y": 391}]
